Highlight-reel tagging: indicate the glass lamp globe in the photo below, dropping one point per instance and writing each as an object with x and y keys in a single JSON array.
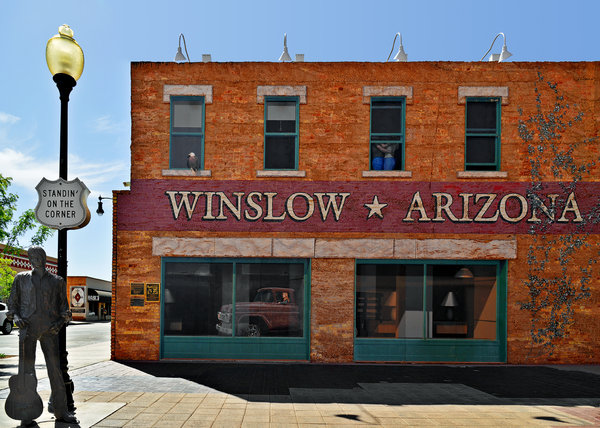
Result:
[{"x": 63, "y": 54}]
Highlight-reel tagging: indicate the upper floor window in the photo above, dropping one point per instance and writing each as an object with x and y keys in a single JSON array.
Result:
[
  {"x": 281, "y": 133},
  {"x": 387, "y": 133},
  {"x": 482, "y": 135},
  {"x": 187, "y": 132}
]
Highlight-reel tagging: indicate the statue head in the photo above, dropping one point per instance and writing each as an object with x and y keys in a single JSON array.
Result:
[{"x": 37, "y": 258}]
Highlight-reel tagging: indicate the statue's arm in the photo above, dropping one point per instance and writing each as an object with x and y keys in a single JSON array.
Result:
[
  {"x": 63, "y": 307},
  {"x": 14, "y": 299},
  {"x": 14, "y": 302},
  {"x": 63, "y": 303}
]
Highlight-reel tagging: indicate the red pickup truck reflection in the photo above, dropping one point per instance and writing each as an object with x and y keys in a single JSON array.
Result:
[{"x": 273, "y": 311}]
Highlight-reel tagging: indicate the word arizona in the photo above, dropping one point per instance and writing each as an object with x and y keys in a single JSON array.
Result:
[
  {"x": 254, "y": 206},
  {"x": 490, "y": 207}
]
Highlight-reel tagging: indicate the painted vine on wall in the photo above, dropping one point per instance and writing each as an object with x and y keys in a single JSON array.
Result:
[{"x": 559, "y": 266}]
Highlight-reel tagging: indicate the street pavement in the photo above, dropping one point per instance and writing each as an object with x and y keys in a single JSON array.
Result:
[{"x": 219, "y": 394}]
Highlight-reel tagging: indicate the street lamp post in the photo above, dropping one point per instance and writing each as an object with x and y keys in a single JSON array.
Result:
[{"x": 65, "y": 61}]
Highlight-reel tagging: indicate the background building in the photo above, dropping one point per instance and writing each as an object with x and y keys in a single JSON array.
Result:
[
  {"x": 88, "y": 297},
  {"x": 340, "y": 212},
  {"x": 20, "y": 262}
]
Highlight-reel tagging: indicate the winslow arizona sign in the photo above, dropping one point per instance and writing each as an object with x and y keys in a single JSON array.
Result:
[
  {"x": 62, "y": 204},
  {"x": 373, "y": 207}
]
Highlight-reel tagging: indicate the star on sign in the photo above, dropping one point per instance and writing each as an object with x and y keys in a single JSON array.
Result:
[{"x": 375, "y": 207}]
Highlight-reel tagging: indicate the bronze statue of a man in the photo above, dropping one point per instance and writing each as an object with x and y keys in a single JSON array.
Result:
[{"x": 38, "y": 305}]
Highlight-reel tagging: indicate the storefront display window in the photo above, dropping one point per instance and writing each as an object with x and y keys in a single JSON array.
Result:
[
  {"x": 223, "y": 303},
  {"x": 460, "y": 301},
  {"x": 430, "y": 311}
]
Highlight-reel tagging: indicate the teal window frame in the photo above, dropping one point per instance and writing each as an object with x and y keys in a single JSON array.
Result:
[
  {"x": 487, "y": 132},
  {"x": 437, "y": 349},
  {"x": 401, "y": 135},
  {"x": 237, "y": 347},
  {"x": 173, "y": 100},
  {"x": 295, "y": 134}
]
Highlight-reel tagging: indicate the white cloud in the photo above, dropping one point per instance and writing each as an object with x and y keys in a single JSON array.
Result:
[
  {"x": 105, "y": 124},
  {"x": 27, "y": 171},
  {"x": 8, "y": 118}
]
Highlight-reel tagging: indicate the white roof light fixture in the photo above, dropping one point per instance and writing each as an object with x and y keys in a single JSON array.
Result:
[
  {"x": 505, "y": 54},
  {"x": 179, "y": 56},
  {"x": 401, "y": 55},
  {"x": 285, "y": 56}
]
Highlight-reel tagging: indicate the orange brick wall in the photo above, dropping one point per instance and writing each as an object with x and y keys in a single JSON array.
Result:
[
  {"x": 334, "y": 133},
  {"x": 136, "y": 329},
  {"x": 334, "y": 123},
  {"x": 582, "y": 345},
  {"x": 332, "y": 307}
]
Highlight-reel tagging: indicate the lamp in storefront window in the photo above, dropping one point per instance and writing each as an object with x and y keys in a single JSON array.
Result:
[
  {"x": 169, "y": 296},
  {"x": 463, "y": 273},
  {"x": 179, "y": 56},
  {"x": 502, "y": 55},
  {"x": 450, "y": 303},
  {"x": 400, "y": 55},
  {"x": 100, "y": 210},
  {"x": 285, "y": 56}
]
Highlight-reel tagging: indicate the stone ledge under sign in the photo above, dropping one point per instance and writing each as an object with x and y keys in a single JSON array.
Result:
[{"x": 410, "y": 249}]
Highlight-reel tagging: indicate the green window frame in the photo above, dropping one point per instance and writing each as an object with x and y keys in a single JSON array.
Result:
[
  {"x": 281, "y": 144},
  {"x": 393, "y": 138},
  {"x": 424, "y": 346},
  {"x": 482, "y": 133},
  {"x": 186, "y": 139},
  {"x": 235, "y": 346}
]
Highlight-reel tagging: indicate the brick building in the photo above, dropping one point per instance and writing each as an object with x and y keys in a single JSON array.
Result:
[
  {"x": 347, "y": 212},
  {"x": 89, "y": 298},
  {"x": 20, "y": 262}
]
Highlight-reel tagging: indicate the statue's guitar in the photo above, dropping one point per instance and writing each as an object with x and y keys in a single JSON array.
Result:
[{"x": 23, "y": 402}]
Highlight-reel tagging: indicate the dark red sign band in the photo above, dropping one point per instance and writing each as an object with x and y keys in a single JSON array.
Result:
[{"x": 371, "y": 207}]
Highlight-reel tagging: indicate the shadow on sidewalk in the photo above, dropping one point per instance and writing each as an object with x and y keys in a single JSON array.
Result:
[{"x": 389, "y": 384}]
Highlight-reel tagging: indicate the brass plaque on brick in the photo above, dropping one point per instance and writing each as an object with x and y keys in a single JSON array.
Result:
[
  {"x": 153, "y": 292},
  {"x": 136, "y": 301},
  {"x": 137, "y": 288}
]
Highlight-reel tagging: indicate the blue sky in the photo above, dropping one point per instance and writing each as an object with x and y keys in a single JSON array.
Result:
[{"x": 115, "y": 33}]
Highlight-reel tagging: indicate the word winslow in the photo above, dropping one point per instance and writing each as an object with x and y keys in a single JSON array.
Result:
[
  {"x": 414, "y": 208},
  {"x": 257, "y": 205}
]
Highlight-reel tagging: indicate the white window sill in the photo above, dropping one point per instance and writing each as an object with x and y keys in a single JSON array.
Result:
[
  {"x": 280, "y": 173},
  {"x": 186, "y": 173},
  {"x": 390, "y": 174},
  {"x": 482, "y": 174}
]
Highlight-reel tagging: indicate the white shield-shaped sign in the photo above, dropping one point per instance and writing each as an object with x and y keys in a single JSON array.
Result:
[{"x": 62, "y": 204}]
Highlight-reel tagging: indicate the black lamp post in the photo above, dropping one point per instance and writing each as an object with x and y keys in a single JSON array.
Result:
[{"x": 65, "y": 61}]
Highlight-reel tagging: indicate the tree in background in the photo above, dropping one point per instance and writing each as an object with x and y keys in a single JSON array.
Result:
[
  {"x": 13, "y": 230},
  {"x": 560, "y": 265}
]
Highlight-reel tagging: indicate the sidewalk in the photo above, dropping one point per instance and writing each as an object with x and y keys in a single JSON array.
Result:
[{"x": 111, "y": 394}]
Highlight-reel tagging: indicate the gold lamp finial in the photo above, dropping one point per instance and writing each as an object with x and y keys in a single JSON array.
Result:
[
  {"x": 63, "y": 54},
  {"x": 65, "y": 31}
]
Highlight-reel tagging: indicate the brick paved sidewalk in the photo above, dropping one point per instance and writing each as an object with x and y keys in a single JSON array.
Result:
[{"x": 110, "y": 394}]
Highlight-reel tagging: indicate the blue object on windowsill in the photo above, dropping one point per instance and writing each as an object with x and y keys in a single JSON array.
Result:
[
  {"x": 389, "y": 163},
  {"x": 378, "y": 163}
]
